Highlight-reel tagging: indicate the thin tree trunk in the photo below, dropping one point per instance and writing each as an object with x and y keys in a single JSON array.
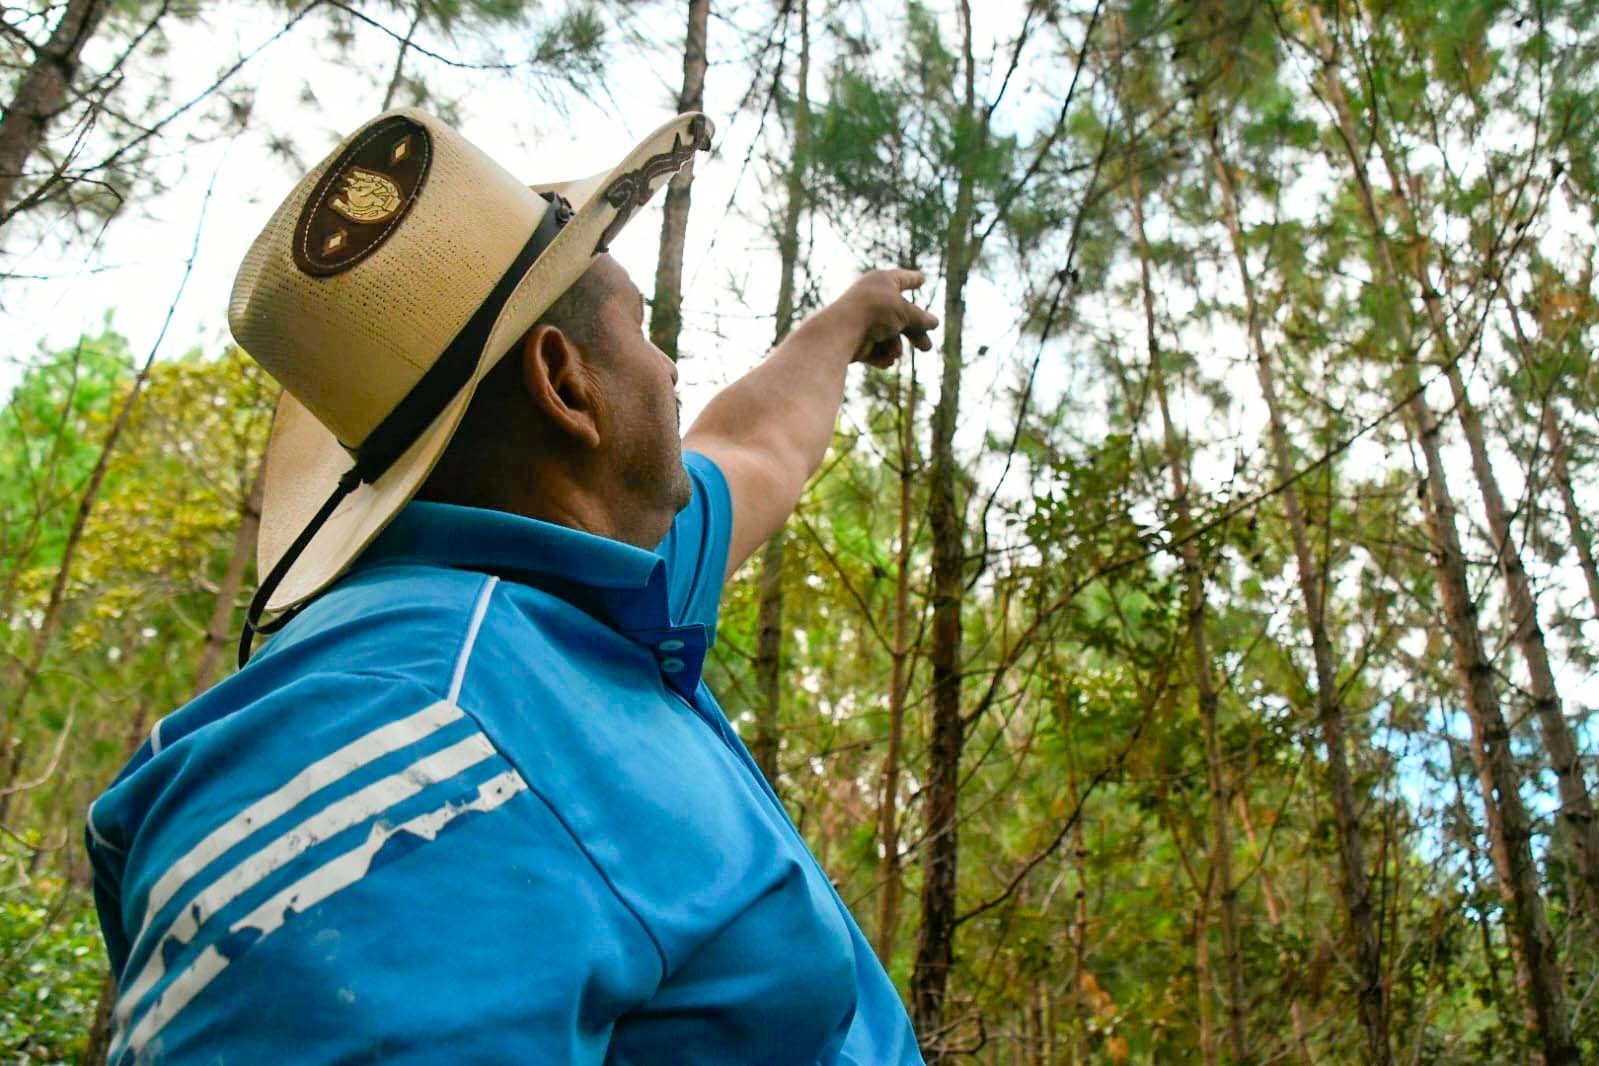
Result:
[
  {"x": 399, "y": 58},
  {"x": 1490, "y": 958},
  {"x": 51, "y": 619},
  {"x": 935, "y": 939},
  {"x": 22, "y": 551},
  {"x": 768, "y": 655},
  {"x": 1205, "y": 682},
  {"x": 888, "y": 810},
  {"x": 1274, "y": 916},
  {"x": 1203, "y": 981},
  {"x": 1035, "y": 1025},
  {"x": 1509, "y": 826},
  {"x": 99, "y": 1044},
  {"x": 1559, "y": 456},
  {"x": 769, "y": 637},
  {"x": 666, "y": 310},
  {"x": 43, "y": 92},
  {"x": 1361, "y": 922},
  {"x": 1576, "y": 808},
  {"x": 219, "y": 633}
]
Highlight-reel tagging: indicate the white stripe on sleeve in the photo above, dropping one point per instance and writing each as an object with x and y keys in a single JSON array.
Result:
[
  {"x": 354, "y": 755},
  {"x": 333, "y": 876},
  {"x": 326, "y": 823}
]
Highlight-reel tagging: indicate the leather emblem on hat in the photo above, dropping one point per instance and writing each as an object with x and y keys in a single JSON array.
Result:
[
  {"x": 367, "y": 197},
  {"x": 363, "y": 196},
  {"x": 632, "y": 190}
]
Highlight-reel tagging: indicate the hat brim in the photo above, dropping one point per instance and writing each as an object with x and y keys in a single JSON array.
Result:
[{"x": 304, "y": 461}]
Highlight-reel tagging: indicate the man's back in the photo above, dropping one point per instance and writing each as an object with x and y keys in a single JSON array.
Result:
[{"x": 476, "y": 806}]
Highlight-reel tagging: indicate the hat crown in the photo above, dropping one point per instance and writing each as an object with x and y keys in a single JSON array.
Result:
[{"x": 373, "y": 264}]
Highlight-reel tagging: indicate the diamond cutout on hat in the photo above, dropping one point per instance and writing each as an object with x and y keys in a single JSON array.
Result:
[
  {"x": 334, "y": 242},
  {"x": 400, "y": 150}
]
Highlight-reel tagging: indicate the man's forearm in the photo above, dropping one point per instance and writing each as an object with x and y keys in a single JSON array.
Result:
[{"x": 769, "y": 430}]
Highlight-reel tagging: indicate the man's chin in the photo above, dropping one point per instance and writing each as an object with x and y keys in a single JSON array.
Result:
[{"x": 683, "y": 489}]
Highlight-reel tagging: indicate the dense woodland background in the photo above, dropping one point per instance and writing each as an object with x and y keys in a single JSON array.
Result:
[{"x": 1192, "y": 660}]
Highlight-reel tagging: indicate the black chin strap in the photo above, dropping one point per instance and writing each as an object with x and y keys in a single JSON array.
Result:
[
  {"x": 252, "y": 617},
  {"x": 442, "y": 382}
]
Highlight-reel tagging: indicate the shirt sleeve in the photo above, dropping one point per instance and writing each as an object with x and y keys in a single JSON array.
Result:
[
  {"x": 695, "y": 549},
  {"x": 396, "y": 891}
]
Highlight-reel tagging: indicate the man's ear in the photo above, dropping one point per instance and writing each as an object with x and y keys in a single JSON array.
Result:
[{"x": 560, "y": 385}]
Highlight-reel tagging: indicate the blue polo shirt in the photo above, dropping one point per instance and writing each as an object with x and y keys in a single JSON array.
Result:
[{"x": 475, "y": 805}]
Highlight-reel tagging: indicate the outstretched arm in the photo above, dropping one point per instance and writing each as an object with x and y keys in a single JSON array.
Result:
[{"x": 769, "y": 430}]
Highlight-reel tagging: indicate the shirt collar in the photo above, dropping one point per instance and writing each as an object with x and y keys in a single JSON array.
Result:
[{"x": 623, "y": 586}]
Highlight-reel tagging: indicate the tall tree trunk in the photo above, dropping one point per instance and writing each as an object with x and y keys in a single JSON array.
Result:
[
  {"x": 43, "y": 92},
  {"x": 399, "y": 57},
  {"x": 1509, "y": 826},
  {"x": 1204, "y": 679},
  {"x": 1359, "y": 916},
  {"x": 769, "y": 637},
  {"x": 219, "y": 633},
  {"x": 935, "y": 950},
  {"x": 666, "y": 310},
  {"x": 1204, "y": 982},
  {"x": 1576, "y": 808},
  {"x": 888, "y": 810}
]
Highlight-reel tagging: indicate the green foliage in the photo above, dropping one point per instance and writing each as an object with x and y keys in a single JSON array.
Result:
[
  {"x": 50, "y": 435},
  {"x": 51, "y": 966}
]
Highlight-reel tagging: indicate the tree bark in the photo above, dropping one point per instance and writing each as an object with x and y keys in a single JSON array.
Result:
[
  {"x": 43, "y": 91},
  {"x": 769, "y": 637},
  {"x": 768, "y": 656},
  {"x": 1576, "y": 808},
  {"x": 1509, "y": 826},
  {"x": 99, "y": 1044},
  {"x": 666, "y": 310},
  {"x": 1359, "y": 916},
  {"x": 1204, "y": 680},
  {"x": 888, "y": 810},
  {"x": 935, "y": 939},
  {"x": 399, "y": 57}
]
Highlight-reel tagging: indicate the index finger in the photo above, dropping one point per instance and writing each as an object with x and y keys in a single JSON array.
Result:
[{"x": 908, "y": 279}]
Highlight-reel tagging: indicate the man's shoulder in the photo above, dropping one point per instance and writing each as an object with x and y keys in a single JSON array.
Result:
[
  {"x": 358, "y": 660},
  {"x": 402, "y": 620}
]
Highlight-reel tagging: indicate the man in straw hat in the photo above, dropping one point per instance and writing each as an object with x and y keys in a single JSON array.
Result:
[{"x": 473, "y": 802}]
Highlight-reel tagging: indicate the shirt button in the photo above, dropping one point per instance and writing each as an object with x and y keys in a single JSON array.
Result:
[
  {"x": 671, "y": 666},
  {"x": 671, "y": 645}
]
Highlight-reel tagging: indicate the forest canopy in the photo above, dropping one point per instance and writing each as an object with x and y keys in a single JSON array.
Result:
[{"x": 1191, "y": 659}]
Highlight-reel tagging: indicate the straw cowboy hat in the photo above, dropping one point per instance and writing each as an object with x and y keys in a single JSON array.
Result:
[{"x": 391, "y": 280}]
